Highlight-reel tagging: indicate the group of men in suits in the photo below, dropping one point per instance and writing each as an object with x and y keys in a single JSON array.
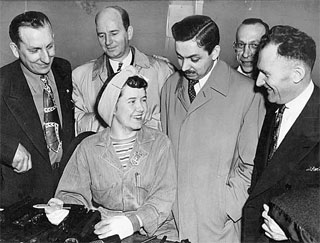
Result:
[{"x": 220, "y": 130}]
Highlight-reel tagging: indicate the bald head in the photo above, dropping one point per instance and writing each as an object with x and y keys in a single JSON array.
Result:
[
  {"x": 114, "y": 32},
  {"x": 115, "y": 10}
]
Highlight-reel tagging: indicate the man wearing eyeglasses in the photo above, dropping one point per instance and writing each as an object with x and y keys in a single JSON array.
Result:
[{"x": 247, "y": 42}]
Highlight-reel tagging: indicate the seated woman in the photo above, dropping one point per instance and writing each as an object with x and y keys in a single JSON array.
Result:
[{"x": 127, "y": 171}]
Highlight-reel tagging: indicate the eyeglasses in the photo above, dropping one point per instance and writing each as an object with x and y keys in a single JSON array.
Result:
[{"x": 240, "y": 46}]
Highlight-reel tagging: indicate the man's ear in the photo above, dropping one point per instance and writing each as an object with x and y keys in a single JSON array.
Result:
[
  {"x": 14, "y": 48},
  {"x": 130, "y": 32},
  {"x": 298, "y": 73},
  {"x": 215, "y": 52}
]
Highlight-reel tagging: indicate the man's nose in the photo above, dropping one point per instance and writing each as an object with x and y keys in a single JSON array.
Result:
[
  {"x": 108, "y": 40},
  {"x": 45, "y": 57},
  {"x": 246, "y": 51},
  {"x": 184, "y": 65},
  {"x": 260, "y": 80}
]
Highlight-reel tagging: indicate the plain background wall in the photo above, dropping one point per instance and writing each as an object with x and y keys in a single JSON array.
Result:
[{"x": 75, "y": 37}]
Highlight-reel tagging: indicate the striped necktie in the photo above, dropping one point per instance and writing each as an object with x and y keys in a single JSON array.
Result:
[{"x": 276, "y": 130}]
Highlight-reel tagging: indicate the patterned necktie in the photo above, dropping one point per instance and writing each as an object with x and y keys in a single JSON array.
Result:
[
  {"x": 51, "y": 124},
  {"x": 276, "y": 130},
  {"x": 191, "y": 90},
  {"x": 119, "y": 67}
]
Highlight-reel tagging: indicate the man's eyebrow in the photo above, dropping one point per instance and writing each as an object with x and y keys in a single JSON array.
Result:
[{"x": 193, "y": 55}]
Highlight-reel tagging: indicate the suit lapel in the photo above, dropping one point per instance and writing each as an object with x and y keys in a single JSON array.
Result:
[
  {"x": 19, "y": 101},
  {"x": 60, "y": 76},
  {"x": 301, "y": 138},
  {"x": 263, "y": 147}
]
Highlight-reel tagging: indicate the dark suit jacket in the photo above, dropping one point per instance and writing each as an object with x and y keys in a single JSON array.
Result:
[
  {"x": 20, "y": 123},
  {"x": 291, "y": 167}
]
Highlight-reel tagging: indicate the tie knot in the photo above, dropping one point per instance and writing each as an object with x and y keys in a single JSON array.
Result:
[
  {"x": 119, "y": 66},
  {"x": 44, "y": 79},
  {"x": 193, "y": 82},
  {"x": 281, "y": 109}
]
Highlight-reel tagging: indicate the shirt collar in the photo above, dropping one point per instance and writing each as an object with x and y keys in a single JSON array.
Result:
[
  {"x": 239, "y": 69},
  {"x": 203, "y": 80},
  {"x": 301, "y": 100},
  {"x": 34, "y": 79},
  {"x": 126, "y": 61}
]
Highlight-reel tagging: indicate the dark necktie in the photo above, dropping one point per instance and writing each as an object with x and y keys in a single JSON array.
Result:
[
  {"x": 119, "y": 67},
  {"x": 276, "y": 130},
  {"x": 191, "y": 90},
  {"x": 51, "y": 125}
]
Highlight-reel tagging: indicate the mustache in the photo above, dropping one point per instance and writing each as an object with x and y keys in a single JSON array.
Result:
[{"x": 187, "y": 72}]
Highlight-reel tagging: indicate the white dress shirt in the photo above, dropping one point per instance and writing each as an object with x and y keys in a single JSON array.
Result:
[
  {"x": 198, "y": 86},
  {"x": 293, "y": 110},
  {"x": 125, "y": 62},
  {"x": 239, "y": 69}
]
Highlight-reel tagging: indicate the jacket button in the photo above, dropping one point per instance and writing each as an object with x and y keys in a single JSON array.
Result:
[{"x": 249, "y": 190}]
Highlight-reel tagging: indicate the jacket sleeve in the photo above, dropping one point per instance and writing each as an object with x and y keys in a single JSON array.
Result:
[
  {"x": 161, "y": 72},
  {"x": 165, "y": 71},
  {"x": 8, "y": 148},
  {"x": 74, "y": 185},
  {"x": 85, "y": 120},
  {"x": 8, "y": 142},
  {"x": 239, "y": 178},
  {"x": 163, "y": 111},
  {"x": 158, "y": 203},
  {"x": 297, "y": 212}
]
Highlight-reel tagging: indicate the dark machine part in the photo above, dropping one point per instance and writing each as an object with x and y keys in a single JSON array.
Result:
[{"x": 21, "y": 222}]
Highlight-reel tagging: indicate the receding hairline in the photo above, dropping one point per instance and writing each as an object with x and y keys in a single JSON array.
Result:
[
  {"x": 108, "y": 9},
  {"x": 253, "y": 24}
]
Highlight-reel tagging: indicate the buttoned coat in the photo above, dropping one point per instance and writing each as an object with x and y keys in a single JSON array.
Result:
[
  {"x": 20, "y": 123},
  {"x": 215, "y": 140},
  {"x": 294, "y": 165}
]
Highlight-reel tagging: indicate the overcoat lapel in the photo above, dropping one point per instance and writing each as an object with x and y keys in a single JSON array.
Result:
[
  {"x": 301, "y": 138},
  {"x": 19, "y": 100},
  {"x": 182, "y": 91},
  {"x": 217, "y": 82}
]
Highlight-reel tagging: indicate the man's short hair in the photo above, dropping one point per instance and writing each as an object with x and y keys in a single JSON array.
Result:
[
  {"x": 124, "y": 16},
  {"x": 202, "y": 28},
  {"x": 251, "y": 21},
  {"x": 31, "y": 19},
  {"x": 292, "y": 44}
]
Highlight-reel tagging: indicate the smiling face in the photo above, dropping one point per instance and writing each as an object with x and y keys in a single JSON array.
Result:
[
  {"x": 195, "y": 61},
  {"x": 130, "y": 110},
  {"x": 277, "y": 75},
  {"x": 112, "y": 35},
  {"x": 36, "y": 49},
  {"x": 249, "y": 37}
]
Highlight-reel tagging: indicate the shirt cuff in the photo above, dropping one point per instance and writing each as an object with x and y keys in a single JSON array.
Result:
[{"x": 135, "y": 222}]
